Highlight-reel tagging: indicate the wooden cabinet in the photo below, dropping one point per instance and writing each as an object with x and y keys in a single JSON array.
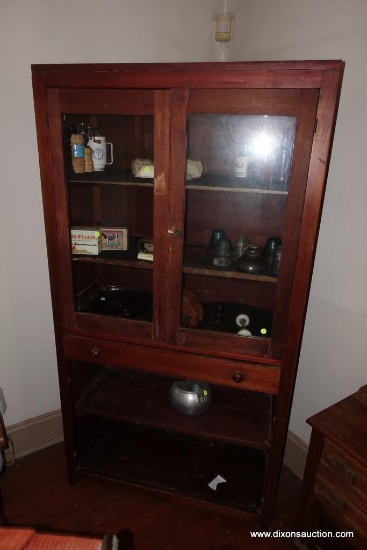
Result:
[
  {"x": 335, "y": 480},
  {"x": 239, "y": 152}
]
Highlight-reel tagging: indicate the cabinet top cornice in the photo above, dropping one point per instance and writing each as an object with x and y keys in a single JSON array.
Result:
[
  {"x": 225, "y": 75},
  {"x": 189, "y": 66}
]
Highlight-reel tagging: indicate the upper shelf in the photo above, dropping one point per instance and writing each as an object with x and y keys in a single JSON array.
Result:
[
  {"x": 207, "y": 182},
  {"x": 111, "y": 177}
]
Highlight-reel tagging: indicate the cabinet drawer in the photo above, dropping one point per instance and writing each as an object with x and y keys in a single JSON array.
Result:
[
  {"x": 237, "y": 374},
  {"x": 348, "y": 474},
  {"x": 338, "y": 506}
]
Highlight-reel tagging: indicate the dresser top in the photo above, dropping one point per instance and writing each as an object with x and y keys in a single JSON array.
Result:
[{"x": 345, "y": 423}]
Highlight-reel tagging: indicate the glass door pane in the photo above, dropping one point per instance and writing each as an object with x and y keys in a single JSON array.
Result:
[
  {"x": 111, "y": 213},
  {"x": 236, "y": 192},
  {"x": 103, "y": 146}
]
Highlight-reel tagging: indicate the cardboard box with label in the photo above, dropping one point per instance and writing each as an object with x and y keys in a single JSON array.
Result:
[{"x": 86, "y": 240}]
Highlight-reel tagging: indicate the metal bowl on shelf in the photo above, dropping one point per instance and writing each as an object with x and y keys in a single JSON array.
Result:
[{"x": 190, "y": 397}]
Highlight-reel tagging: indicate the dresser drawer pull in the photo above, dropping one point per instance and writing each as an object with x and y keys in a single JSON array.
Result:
[
  {"x": 237, "y": 377},
  {"x": 341, "y": 469},
  {"x": 95, "y": 352},
  {"x": 332, "y": 498}
]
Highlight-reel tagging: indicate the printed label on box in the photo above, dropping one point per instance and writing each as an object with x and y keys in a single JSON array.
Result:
[{"x": 86, "y": 240}]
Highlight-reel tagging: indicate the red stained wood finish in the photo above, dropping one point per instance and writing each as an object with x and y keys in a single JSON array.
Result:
[
  {"x": 335, "y": 481},
  {"x": 115, "y": 372}
]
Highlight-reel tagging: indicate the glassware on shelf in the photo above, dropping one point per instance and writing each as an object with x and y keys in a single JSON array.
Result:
[
  {"x": 252, "y": 261},
  {"x": 223, "y": 253},
  {"x": 269, "y": 250},
  {"x": 276, "y": 261},
  {"x": 239, "y": 247},
  {"x": 241, "y": 163},
  {"x": 217, "y": 235},
  {"x": 85, "y": 130}
]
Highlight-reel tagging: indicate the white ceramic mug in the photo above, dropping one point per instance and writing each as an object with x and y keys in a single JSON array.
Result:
[{"x": 98, "y": 145}]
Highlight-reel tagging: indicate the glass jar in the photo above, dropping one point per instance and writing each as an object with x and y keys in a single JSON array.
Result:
[{"x": 252, "y": 261}]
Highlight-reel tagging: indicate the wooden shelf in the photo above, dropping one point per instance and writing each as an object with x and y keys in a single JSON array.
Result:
[
  {"x": 199, "y": 261},
  {"x": 196, "y": 262},
  {"x": 234, "y": 416},
  {"x": 228, "y": 274},
  {"x": 175, "y": 464},
  {"x": 116, "y": 258},
  {"x": 207, "y": 182},
  {"x": 122, "y": 258},
  {"x": 214, "y": 182},
  {"x": 110, "y": 177}
]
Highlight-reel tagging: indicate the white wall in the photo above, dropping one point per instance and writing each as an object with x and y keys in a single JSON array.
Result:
[
  {"x": 333, "y": 361},
  {"x": 48, "y": 31}
]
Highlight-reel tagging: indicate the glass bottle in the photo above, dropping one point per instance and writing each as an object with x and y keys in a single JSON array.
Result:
[
  {"x": 239, "y": 247},
  {"x": 241, "y": 163}
]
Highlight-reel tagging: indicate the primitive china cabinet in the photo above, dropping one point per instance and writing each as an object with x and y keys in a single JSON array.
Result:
[{"x": 237, "y": 150}]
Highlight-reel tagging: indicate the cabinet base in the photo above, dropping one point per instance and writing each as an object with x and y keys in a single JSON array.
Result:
[{"x": 174, "y": 464}]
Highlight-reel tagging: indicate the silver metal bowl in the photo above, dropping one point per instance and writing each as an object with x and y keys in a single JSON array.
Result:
[{"x": 190, "y": 397}]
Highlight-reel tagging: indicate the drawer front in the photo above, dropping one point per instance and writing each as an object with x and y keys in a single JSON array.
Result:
[
  {"x": 347, "y": 473},
  {"x": 338, "y": 506},
  {"x": 318, "y": 520},
  {"x": 237, "y": 374}
]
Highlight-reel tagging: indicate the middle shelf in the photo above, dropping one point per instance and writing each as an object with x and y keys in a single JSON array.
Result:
[
  {"x": 235, "y": 416},
  {"x": 197, "y": 261}
]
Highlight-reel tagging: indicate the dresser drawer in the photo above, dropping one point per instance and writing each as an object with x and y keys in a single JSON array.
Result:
[
  {"x": 347, "y": 473},
  {"x": 339, "y": 506}
]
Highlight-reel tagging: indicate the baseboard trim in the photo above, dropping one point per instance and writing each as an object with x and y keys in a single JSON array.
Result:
[
  {"x": 295, "y": 454},
  {"x": 37, "y": 433}
]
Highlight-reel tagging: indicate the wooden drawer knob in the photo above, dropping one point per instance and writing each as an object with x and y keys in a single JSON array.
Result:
[
  {"x": 95, "y": 352},
  {"x": 237, "y": 377}
]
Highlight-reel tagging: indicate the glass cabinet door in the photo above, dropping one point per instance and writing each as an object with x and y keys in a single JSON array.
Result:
[
  {"x": 106, "y": 159},
  {"x": 240, "y": 188}
]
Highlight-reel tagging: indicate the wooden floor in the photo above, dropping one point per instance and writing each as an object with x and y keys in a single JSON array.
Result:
[{"x": 36, "y": 493}]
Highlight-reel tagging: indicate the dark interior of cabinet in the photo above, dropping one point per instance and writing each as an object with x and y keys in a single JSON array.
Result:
[
  {"x": 132, "y": 136},
  {"x": 267, "y": 142},
  {"x": 256, "y": 216},
  {"x": 234, "y": 415},
  {"x": 112, "y": 206},
  {"x": 127, "y": 428},
  {"x": 110, "y": 290},
  {"x": 173, "y": 463}
]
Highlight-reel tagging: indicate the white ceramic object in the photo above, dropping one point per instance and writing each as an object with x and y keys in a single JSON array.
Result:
[
  {"x": 98, "y": 145},
  {"x": 242, "y": 320}
]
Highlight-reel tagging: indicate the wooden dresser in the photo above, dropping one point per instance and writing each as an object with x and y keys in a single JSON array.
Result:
[{"x": 335, "y": 482}]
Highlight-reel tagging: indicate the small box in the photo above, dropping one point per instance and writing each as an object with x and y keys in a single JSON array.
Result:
[
  {"x": 86, "y": 240},
  {"x": 145, "y": 250},
  {"x": 115, "y": 238}
]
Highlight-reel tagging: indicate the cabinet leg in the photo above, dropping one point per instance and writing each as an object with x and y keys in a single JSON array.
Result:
[{"x": 2, "y": 515}]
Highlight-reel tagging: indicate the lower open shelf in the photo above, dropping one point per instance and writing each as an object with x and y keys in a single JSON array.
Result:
[
  {"x": 234, "y": 416},
  {"x": 172, "y": 463}
]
